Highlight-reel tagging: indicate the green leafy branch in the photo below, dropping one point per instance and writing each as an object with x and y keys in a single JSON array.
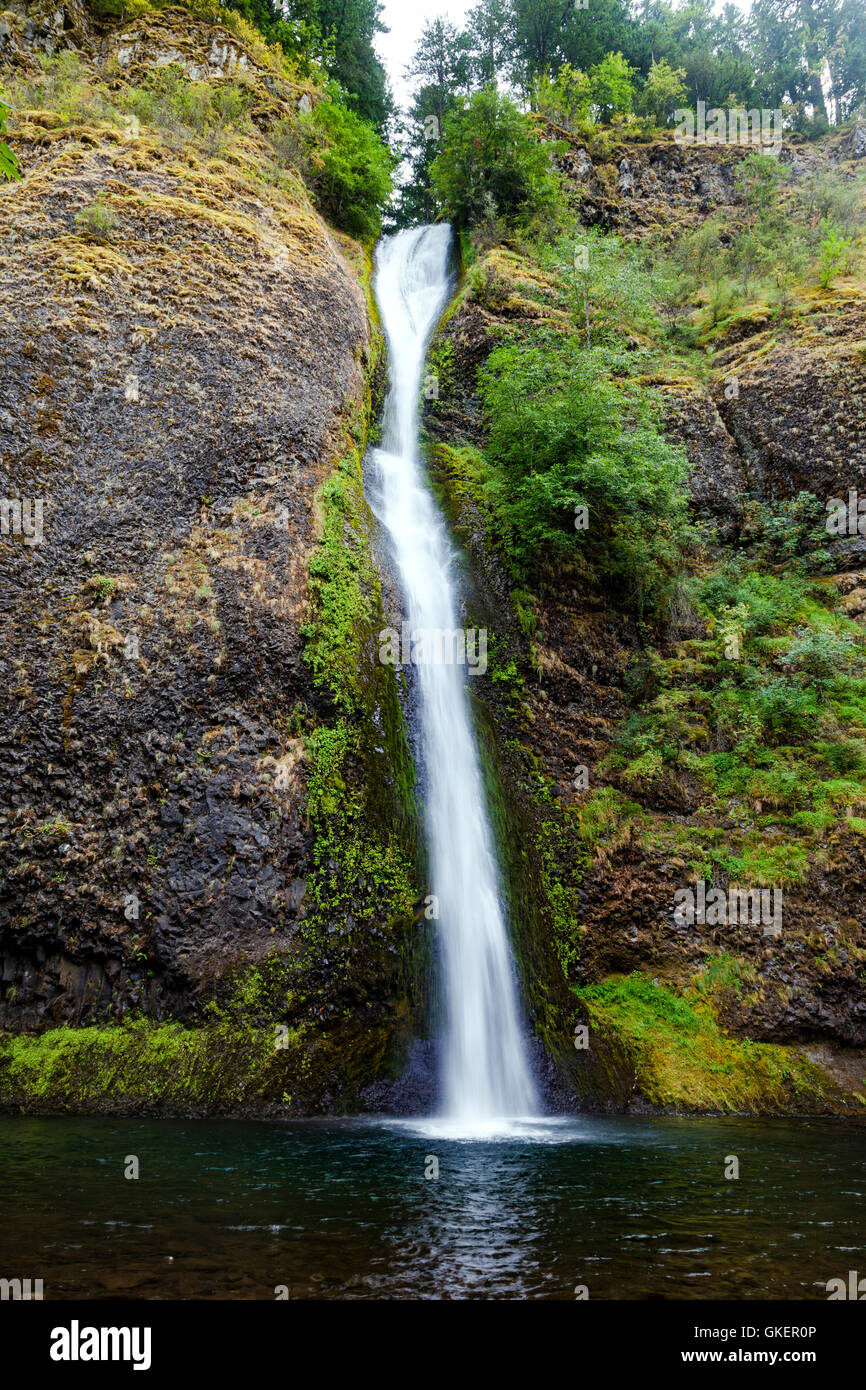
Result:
[{"x": 9, "y": 167}]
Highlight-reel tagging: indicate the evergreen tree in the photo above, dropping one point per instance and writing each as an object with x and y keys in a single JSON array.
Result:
[
  {"x": 350, "y": 27},
  {"x": 442, "y": 66}
]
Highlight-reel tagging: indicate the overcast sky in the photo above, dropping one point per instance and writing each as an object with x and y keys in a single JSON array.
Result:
[{"x": 406, "y": 19}]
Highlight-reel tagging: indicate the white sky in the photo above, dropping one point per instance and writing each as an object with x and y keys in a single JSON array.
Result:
[{"x": 406, "y": 19}]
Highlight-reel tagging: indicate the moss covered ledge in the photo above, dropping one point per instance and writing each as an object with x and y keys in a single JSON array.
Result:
[
  {"x": 651, "y": 1048},
  {"x": 144, "y": 1067}
]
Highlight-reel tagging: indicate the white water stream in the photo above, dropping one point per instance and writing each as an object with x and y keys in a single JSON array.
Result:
[{"x": 486, "y": 1076}]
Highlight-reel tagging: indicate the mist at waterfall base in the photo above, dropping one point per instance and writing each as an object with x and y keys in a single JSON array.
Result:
[{"x": 487, "y": 1086}]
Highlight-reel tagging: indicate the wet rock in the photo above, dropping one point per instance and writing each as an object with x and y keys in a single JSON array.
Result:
[{"x": 166, "y": 835}]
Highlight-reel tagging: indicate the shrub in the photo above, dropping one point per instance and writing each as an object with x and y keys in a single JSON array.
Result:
[
  {"x": 97, "y": 222},
  {"x": 199, "y": 110},
  {"x": 835, "y": 252},
  {"x": 830, "y": 196},
  {"x": 9, "y": 168},
  {"x": 491, "y": 158},
  {"x": 786, "y": 530},
  {"x": 564, "y": 438},
  {"x": 564, "y": 100},
  {"x": 819, "y": 655},
  {"x": 350, "y": 168},
  {"x": 786, "y": 711},
  {"x": 758, "y": 180}
]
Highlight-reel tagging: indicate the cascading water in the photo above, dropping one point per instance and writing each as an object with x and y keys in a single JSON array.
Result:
[{"x": 486, "y": 1075}]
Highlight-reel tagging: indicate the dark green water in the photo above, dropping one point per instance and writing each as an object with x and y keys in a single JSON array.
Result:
[{"x": 630, "y": 1208}]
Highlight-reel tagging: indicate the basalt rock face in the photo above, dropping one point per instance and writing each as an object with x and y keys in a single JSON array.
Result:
[
  {"x": 662, "y": 184},
  {"x": 799, "y": 414},
  {"x": 718, "y": 478},
  {"x": 645, "y": 185},
  {"x": 27, "y": 30},
  {"x": 780, "y": 411},
  {"x": 786, "y": 409},
  {"x": 177, "y": 382}
]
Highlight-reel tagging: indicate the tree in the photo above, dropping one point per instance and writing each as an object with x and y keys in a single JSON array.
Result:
[
  {"x": 489, "y": 40},
  {"x": 351, "y": 26},
  {"x": 565, "y": 437},
  {"x": 604, "y": 26},
  {"x": 846, "y": 61},
  {"x": 492, "y": 161},
  {"x": 564, "y": 100},
  {"x": 334, "y": 35},
  {"x": 792, "y": 38},
  {"x": 664, "y": 92},
  {"x": 441, "y": 64},
  {"x": 293, "y": 24},
  {"x": 350, "y": 168},
  {"x": 539, "y": 27},
  {"x": 612, "y": 87}
]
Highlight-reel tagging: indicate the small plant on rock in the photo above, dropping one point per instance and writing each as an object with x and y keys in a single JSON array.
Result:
[{"x": 97, "y": 222}]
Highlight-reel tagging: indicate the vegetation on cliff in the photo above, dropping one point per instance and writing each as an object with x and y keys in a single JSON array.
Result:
[
  {"x": 678, "y": 662},
  {"x": 647, "y": 387}
]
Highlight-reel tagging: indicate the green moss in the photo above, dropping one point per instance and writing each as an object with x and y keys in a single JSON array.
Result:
[
  {"x": 542, "y": 862},
  {"x": 681, "y": 1058},
  {"x": 141, "y": 1063},
  {"x": 561, "y": 873},
  {"x": 339, "y": 637},
  {"x": 362, "y": 870},
  {"x": 360, "y": 786},
  {"x": 169, "y": 1069}
]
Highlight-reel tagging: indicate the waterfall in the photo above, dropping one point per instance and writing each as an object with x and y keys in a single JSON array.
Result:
[{"x": 485, "y": 1070}]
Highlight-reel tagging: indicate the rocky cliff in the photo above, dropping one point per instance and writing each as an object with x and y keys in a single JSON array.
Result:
[
  {"x": 204, "y": 818},
  {"x": 212, "y": 884},
  {"x": 769, "y": 405}
]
